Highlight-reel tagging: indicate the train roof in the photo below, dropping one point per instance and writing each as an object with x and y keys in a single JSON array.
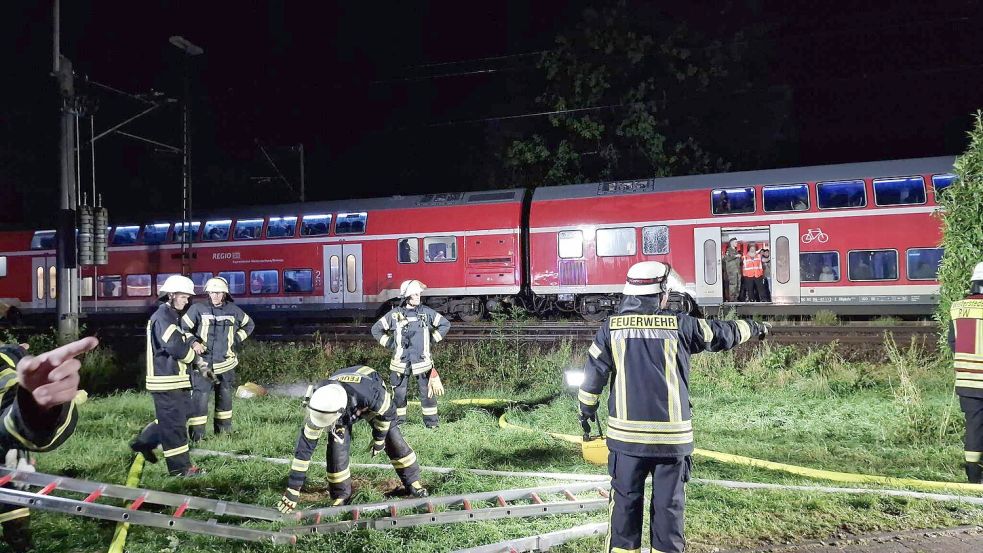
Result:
[{"x": 788, "y": 175}]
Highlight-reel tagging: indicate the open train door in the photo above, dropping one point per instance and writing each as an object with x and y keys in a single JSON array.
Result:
[
  {"x": 785, "y": 285},
  {"x": 709, "y": 283},
  {"x": 343, "y": 276}
]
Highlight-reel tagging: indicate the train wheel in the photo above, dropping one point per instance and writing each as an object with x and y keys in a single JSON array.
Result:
[
  {"x": 472, "y": 311},
  {"x": 590, "y": 309}
]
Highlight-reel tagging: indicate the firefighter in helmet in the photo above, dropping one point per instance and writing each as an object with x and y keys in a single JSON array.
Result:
[
  {"x": 966, "y": 343},
  {"x": 219, "y": 328},
  {"x": 644, "y": 350},
  {"x": 408, "y": 330},
  {"x": 172, "y": 355},
  {"x": 333, "y": 406}
]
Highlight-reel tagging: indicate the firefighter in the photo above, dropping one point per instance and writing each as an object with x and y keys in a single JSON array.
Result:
[
  {"x": 966, "y": 343},
  {"x": 645, "y": 351},
  {"x": 171, "y": 356},
  {"x": 334, "y": 405},
  {"x": 219, "y": 329},
  {"x": 408, "y": 331},
  {"x": 39, "y": 414}
]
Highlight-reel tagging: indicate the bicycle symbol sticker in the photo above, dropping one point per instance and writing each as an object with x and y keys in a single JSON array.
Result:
[{"x": 815, "y": 234}]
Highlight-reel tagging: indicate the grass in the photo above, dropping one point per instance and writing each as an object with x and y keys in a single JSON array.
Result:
[{"x": 811, "y": 408}]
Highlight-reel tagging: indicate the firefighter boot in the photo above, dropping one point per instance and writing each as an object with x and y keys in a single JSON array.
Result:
[
  {"x": 144, "y": 449},
  {"x": 416, "y": 489},
  {"x": 974, "y": 472}
]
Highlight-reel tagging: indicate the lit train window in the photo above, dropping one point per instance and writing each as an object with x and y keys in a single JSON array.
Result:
[
  {"x": 439, "y": 249},
  {"x": 125, "y": 236},
  {"x": 86, "y": 287},
  {"x": 110, "y": 286},
  {"x": 315, "y": 225},
  {"x": 872, "y": 264},
  {"x": 786, "y": 197},
  {"x": 655, "y": 240},
  {"x": 783, "y": 265},
  {"x": 43, "y": 240},
  {"x": 190, "y": 234},
  {"x": 156, "y": 233},
  {"x": 941, "y": 182},
  {"x": 236, "y": 280},
  {"x": 199, "y": 279},
  {"x": 163, "y": 277},
  {"x": 819, "y": 267},
  {"x": 281, "y": 227},
  {"x": 335, "y": 269},
  {"x": 710, "y": 254},
  {"x": 613, "y": 242},
  {"x": 3, "y": 265},
  {"x": 248, "y": 229},
  {"x": 52, "y": 282},
  {"x": 899, "y": 191},
  {"x": 408, "y": 250},
  {"x": 137, "y": 285},
  {"x": 732, "y": 200},
  {"x": 216, "y": 230},
  {"x": 264, "y": 282},
  {"x": 841, "y": 194},
  {"x": 40, "y": 279},
  {"x": 298, "y": 281},
  {"x": 570, "y": 244},
  {"x": 350, "y": 273},
  {"x": 350, "y": 223},
  {"x": 923, "y": 263}
]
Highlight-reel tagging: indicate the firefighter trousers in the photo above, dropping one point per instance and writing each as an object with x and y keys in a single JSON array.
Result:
[
  {"x": 201, "y": 390},
  {"x": 627, "y": 502},
  {"x": 399, "y": 383},
  {"x": 170, "y": 429},
  {"x": 973, "y": 410}
]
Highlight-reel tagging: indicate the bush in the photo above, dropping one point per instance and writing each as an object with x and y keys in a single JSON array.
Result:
[{"x": 825, "y": 317}]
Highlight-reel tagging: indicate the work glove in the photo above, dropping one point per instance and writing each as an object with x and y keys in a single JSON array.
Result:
[
  {"x": 435, "y": 387},
  {"x": 762, "y": 330},
  {"x": 288, "y": 502},
  {"x": 378, "y": 448},
  {"x": 585, "y": 419},
  {"x": 206, "y": 371}
]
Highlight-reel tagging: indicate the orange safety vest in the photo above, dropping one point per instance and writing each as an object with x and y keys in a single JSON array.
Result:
[{"x": 752, "y": 266}]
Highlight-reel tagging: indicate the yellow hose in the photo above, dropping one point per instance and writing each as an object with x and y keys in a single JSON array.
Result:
[{"x": 132, "y": 481}]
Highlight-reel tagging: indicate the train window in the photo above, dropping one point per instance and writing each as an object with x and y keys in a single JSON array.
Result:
[
  {"x": 216, "y": 230},
  {"x": 786, "y": 197},
  {"x": 161, "y": 277},
  {"x": 819, "y": 267},
  {"x": 125, "y": 236},
  {"x": 899, "y": 191},
  {"x": 923, "y": 263},
  {"x": 350, "y": 273},
  {"x": 941, "y": 182},
  {"x": 248, "y": 229},
  {"x": 3, "y": 265},
  {"x": 710, "y": 253},
  {"x": 199, "y": 279},
  {"x": 841, "y": 194},
  {"x": 350, "y": 223},
  {"x": 655, "y": 240},
  {"x": 236, "y": 280},
  {"x": 138, "y": 285},
  {"x": 783, "y": 265},
  {"x": 86, "y": 287},
  {"x": 315, "y": 225},
  {"x": 39, "y": 277},
  {"x": 439, "y": 249},
  {"x": 298, "y": 281},
  {"x": 408, "y": 250},
  {"x": 334, "y": 268},
  {"x": 189, "y": 234},
  {"x": 52, "y": 282},
  {"x": 264, "y": 282},
  {"x": 732, "y": 200},
  {"x": 281, "y": 227},
  {"x": 872, "y": 264},
  {"x": 613, "y": 242},
  {"x": 570, "y": 244},
  {"x": 110, "y": 286},
  {"x": 155, "y": 234},
  {"x": 43, "y": 240}
]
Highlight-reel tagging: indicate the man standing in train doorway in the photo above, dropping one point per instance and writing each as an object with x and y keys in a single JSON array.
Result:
[
  {"x": 966, "y": 343},
  {"x": 218, "y": 328},
  {"x": 752, "y": 275},
  {"x": 408, "y": 331},
  {"x": 732, "y": 271}
]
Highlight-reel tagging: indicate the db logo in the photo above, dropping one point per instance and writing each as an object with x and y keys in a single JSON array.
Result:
[{"x": 815, "y": 234}]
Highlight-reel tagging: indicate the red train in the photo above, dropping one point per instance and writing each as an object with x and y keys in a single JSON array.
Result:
[{"x": 855, "y": 238}]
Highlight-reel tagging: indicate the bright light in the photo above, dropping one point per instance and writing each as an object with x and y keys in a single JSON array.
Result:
[{"x": 574, "y": 378}]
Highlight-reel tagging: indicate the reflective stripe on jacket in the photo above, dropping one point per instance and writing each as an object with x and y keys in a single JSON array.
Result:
[
  {"x": 409, "y": 332},
  {"x": 221, "y": 329},
  {"x": 966, "y": 341},
  {"x": 168, "y": 351}
]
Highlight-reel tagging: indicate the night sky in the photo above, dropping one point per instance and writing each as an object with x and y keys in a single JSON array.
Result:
[{"x": 415, "y": 97}]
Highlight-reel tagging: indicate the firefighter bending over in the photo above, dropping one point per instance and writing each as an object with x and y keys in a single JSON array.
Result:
[
  {"x": 408, "y": 331},
  {"x": 219, "y": 329},
  {"x": 966, "y": 342},
  {"x": 644, "y": 350},
  {"x": 333, "y": 406}
]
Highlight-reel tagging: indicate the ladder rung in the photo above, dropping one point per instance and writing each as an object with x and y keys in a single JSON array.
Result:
[
  {"x": 467, "y": 504},
  {"x": 318, "y": 518},
  {"x": 393, "y": 511},
  {"x": 355, "y": 514},
  {"x": 501, "y": 501},
  {"x": 535, "y": 498},
  {"x": 430, "y": 508},
  {"x": 49, "y": 488},
  {"x": 8, "y": 478},
  {"x": 180, "y": 510},
  {"x": 603, "y": 493},
  {"x": 137, "y": 502},
  {"x": 94, "y": 495},
  {"x": 569, "y": 495}
]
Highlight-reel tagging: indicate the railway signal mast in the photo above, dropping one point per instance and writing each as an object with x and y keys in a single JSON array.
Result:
[
  {"x": 190, "y": 50},
  {"x": 66, "y": 299}
]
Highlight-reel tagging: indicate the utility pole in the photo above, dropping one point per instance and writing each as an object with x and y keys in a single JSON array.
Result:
[
  {"x": 190, "y": 50},
  {"x": 65, "y": 255},
  {"x": 301, "y": 148}
]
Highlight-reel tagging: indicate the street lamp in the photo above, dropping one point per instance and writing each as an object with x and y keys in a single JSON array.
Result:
[{"x": 190, "y": 50}]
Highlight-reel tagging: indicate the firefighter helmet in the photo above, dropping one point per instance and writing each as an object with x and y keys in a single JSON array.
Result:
[
  {"x": 976, "y": 284},
  {"x": 217, "y": 284},
  {"x": 410, "y": 287},
  {"x": 326, "y": 404},
  {"x": 177, "y": 284},
  {"x": 647, "y": 278}
]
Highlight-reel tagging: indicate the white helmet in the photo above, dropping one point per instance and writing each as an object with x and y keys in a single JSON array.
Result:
[
  {"x": 178, "y": 284},
  {"x": 978, "y": 272},
  {"x": 326, "y": 404},
  {"x": 647, "y": 278},
  {"x": 410, "y": 287},
  {"x": 217, "y": 284},
  {"x": 976, "y": 282}
]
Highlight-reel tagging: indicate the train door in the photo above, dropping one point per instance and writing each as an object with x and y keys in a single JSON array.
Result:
[
  {"x": 343, "y": 275},
  {"x": 785, "y": 263},
  {"x": 43, "y": 282},
  {"x": 709, "y": 284}
]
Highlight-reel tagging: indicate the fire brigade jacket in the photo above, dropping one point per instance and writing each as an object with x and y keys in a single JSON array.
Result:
[
  {"x": 368, "y": 399},
  {"x": 222, "y": 329},
  {"x": 645, "y": 354},
  {"x": 966, "y": 342},
  {"x": 408, "y": 332},
  {"x": 25, "y": 425},
  {"x": 168, "y": 351}
]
